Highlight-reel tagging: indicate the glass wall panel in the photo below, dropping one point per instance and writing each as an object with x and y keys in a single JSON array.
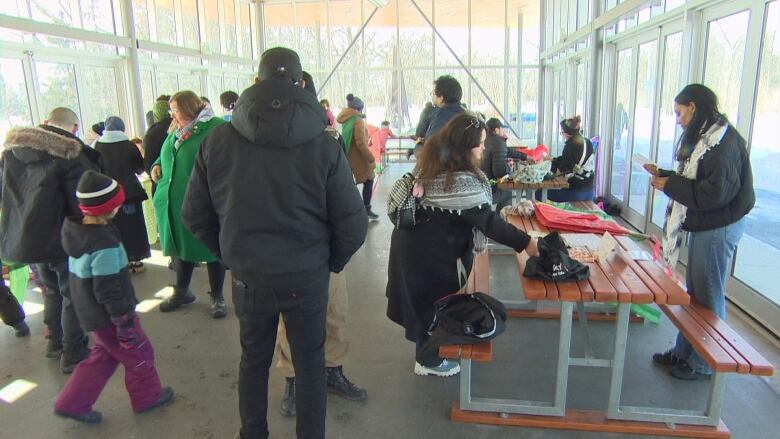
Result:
[
  {"x": 418, "y": 84},
  {"x": 312, "y": 35},
  {"x": 492, "y": 81},
  {"x": 671, "y": 4},
  {"x": 487, "y": 33},
  {"x": 379, "y": 99},
  {"x": 57, "y": 87},
  {"x": 167, "y": 83},
  {"x": 643, "y": 125},
  {"x": 212, "y": 42},
  {"x": 191, "y": 81},
  {"x": 147, "y": 89},
  {"x": 141, "y": 18},
  {"x": 61, "y": 12},
  {"x": 99, "y": 86},
  {"x": 620, "y": 123},
  {"x": 14, "y": 102},
  {"x": 345, "y": 22},
  {"x": 667, "y": 124},
  {"x": 14, "y": 8},
  {"x": 724, "y": 58},
  {"x": 231, "y": 32},
  {"x": 245, "y": 30},
  {"x": 279, "y": 25},
  {"x": 379, "y": 37},
  {"x": 452, "y": 20},
  {"x": 581, "y": 90},
  {"x": 529, "y": 103},
  {"x": 191, "y": 28},
  {"x": 165, "y": 21},
  {"x": 759, "y": 249},
  {"x": 416, "y": 36}
]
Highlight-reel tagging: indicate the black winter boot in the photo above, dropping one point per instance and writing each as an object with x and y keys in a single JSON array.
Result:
[
  {"x": 371, "y": 215},
  {"x": 287, "y": 408},
  {"x": 340, "y": 385},
  {"x": 177, "y": 300},
  {"x": 217, "y": 307}
]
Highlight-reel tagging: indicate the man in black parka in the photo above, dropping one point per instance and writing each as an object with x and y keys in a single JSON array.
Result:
[
  {"x": 41, "y": 167},
  {"x": 273, "y": 196}
]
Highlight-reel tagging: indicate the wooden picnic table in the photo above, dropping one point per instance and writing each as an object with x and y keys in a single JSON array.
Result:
[
  {"x": 620, "y": 280},
  {"x": 518, "y": 189}
]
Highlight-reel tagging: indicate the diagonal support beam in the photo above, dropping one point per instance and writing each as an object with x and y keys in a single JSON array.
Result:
[
  {"x": 344, "y": 55},
  {"x": 468, "y": 71}
]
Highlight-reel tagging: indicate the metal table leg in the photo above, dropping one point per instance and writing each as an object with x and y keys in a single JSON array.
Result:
[{"x": 583, "y": 317}]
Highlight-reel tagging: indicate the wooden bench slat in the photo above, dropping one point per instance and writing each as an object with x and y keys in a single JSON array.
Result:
[
  {"x": 702, "y": 342},
  {"x": 552, "y": 290},
  {"x": 481, "y": 274},
  {"x": 604, "y": 291},
  {"x": 538, "y": 226},
  {"x": 675, "y": 295},
  {"x": 586, "y": 291},
  {"x": 640, "y": 293},
  {"x": 623, "y": 293},
  {"x": 527, "y": 225},
  {"x": 758, "y": 364},
  {"x": 569, "y": 291},
  {"x": 742, "y": 365},
  {"x": 659, "y": 295},
  {"x": 532, "y": 289}
]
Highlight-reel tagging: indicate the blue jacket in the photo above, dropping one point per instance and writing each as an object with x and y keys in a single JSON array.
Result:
[
  {"x": 100, "y": 285},
  {"x": 440, "y": 116}
]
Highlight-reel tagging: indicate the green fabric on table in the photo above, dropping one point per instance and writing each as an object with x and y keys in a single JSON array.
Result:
[
  {"x": 572, "y": 208},
  {"x": 19, "y": 276}
]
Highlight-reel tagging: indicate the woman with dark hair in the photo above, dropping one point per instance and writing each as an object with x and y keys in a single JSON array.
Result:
[
  {"x": 432, "y": 259},
  {"x": 193, "y": 120},
  {"x": 576, "y": 162},
  {"x": 710, "y": 194},
  {"x": 228, "y": 101},
  {"x": 494, "y": 161},
  {"x": 122, "y": 161}
]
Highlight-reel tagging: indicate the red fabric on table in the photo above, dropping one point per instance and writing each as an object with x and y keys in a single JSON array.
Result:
[{"x": 566, "y": 220}]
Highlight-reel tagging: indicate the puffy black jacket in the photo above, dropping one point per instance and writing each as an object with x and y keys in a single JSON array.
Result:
[
  {"x": 723, "y": 190},
  {"x": 494, "y": 156},
  {"x": 99, "y": 278},
  {"x": 122, "y": 161},
  {"x": 41, "y": 167},
  {"x": 271, "y": 192}
]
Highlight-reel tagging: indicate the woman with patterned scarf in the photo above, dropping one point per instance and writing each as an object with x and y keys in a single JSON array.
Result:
[
  {"x": 432, "y": 259},
  {"x": 709, "y": 196},
  {"x": 193, "y": 120}
]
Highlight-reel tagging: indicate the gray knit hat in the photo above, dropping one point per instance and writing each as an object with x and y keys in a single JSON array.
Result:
[{"x": 354, "y": 102}]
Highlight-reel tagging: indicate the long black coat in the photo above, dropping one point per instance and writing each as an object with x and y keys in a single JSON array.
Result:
[
  {"x": 423, "y": 262},
  {"x": 153, "y": 142},
  {"x": 122, "y": 161}
]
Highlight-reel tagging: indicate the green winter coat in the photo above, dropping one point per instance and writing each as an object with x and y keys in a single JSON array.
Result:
[{"x": 176, "y": 165}]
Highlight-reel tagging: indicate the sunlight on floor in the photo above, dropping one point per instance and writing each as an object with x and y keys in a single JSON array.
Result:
[
  {"x": 16, "y": 390},
  {"x": 32, "y": 308},
  {"x": 149, "y": 304},
  {"x": 158, "y": 259}
]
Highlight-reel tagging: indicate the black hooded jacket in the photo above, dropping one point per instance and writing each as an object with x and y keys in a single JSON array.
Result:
[
  {"x": 272, "y": 193},
  {"x": 40, "y": 167}
]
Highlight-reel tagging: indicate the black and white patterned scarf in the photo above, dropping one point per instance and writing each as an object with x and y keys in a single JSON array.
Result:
[
  {"x": 468, "y": 190},
  {"x": 676, "y": 212}
]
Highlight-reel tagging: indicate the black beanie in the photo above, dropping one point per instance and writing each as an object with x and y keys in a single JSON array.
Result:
[
  {"x": 354, "y": 102},
  {"x": 280, "y": 62},
  {"x": 98, "y": 194}
]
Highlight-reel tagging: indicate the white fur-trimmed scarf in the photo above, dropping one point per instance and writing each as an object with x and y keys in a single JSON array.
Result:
[
  {"x": 676, "y": 212},
  {"x": 468, "y": 190}
]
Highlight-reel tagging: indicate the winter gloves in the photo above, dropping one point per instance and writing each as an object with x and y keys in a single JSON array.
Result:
[{"x": 126, "y": 332}]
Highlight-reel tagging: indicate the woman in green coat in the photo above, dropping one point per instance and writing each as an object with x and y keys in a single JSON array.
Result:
[{"x": 193, "y": 120}]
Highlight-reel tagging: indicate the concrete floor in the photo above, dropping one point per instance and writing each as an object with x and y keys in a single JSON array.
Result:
[{"x": 199, "y": 358}]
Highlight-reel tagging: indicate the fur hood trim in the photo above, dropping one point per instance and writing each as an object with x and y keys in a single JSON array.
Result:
[{"x": 43, "y": 140}]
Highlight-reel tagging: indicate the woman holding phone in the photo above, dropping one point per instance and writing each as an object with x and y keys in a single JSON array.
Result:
[{"x": 710, "y": 194}]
